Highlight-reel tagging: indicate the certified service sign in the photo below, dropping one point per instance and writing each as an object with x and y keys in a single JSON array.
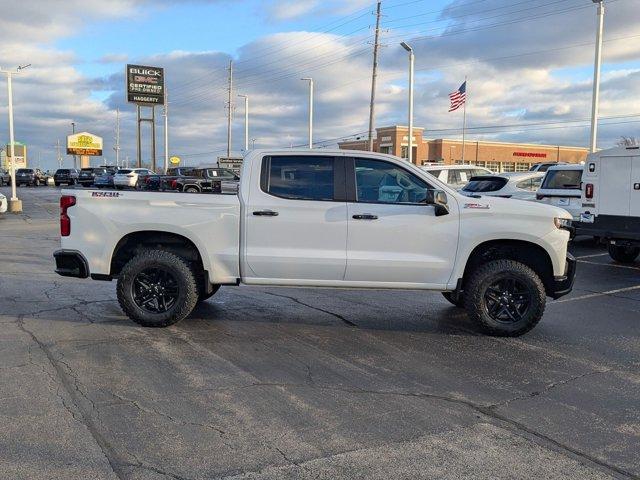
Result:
[
  {"x": 145, "y": 85},
  {"x": 84, "y": 143}
]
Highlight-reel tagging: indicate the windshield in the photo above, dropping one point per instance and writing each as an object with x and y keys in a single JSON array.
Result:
[
  {"x": 562, "y": 179},
  {"x": 485, "y": 184}
]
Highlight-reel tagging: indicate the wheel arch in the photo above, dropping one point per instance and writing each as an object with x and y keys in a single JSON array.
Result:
[{"x": 528, "y": 253}]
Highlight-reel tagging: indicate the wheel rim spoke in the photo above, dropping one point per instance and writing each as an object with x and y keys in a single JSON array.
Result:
[{"x": 507, "y": 299}]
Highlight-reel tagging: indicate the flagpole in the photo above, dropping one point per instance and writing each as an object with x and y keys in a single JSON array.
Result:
[{"x": 464, "y": 117}]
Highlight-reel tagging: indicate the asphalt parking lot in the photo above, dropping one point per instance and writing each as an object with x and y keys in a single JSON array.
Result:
[{"x": 295, "y": 383}]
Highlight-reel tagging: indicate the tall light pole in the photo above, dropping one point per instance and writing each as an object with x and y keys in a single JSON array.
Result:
[
  {"x": 75, "y": 159},
  {"x": 596, "y": 78},
  {"x": 310, "y": 80},
  {"x": 246, "y": 121},
  {"x": 116, "y": 147},
  {"x": 15, "y": 205},
  {"x": 165, "y": 113},
  {"x": 411, "y": 68}
]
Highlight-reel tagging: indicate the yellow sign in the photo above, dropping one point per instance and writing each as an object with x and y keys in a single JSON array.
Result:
[
  {"x": 84, "y": 143},
  {"x": 175, "y": 160}
]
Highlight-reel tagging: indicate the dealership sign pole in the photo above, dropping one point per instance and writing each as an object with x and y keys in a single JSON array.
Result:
[{"x": 145, "y": 88}]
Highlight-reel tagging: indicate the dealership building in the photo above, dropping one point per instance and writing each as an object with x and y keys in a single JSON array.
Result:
[{"x": 496, "y": 156}]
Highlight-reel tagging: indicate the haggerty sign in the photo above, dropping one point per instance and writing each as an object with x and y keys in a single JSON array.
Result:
[
  {"x": 145, "y": 85},
  {"x": 84, "y": 143}
]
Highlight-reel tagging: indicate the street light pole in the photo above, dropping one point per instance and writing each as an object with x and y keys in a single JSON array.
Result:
[
  {"x": 310, "y": 80},
  {"x": 411, "y": 69},
  {"x": 246, "y": 121},
  {"x": 75, "y": 159},
  {"x": 15, "y": 205},
  {"x": 596, "y": 78},
  {"x": 165, "y": 113}
]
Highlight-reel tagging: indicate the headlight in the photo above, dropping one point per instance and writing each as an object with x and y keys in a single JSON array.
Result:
[{"x": 562, "y": 223}]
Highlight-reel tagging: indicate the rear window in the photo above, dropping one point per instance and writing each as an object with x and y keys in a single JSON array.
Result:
[
  {"x": 25, "y": 170},
  {"x": 299, "y": 178},
  {"x": 562, "y": 179},
  {"x": 63, "y": 170},
  {"x": 124, "y": 171},
  {"x": 485, "y": 184}
]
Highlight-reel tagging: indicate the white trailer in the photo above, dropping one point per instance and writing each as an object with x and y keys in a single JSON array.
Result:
[{"x": 611, "y": 201}]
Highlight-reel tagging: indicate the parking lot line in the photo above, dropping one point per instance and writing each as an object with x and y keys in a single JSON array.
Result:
[
  {"x": 609, "y": 265},
  {"x": 592, "y": 256},
  {"x": 599, "y": 294}
]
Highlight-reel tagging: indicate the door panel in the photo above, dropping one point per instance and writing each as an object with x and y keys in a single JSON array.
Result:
[
  {"x": 615, "y": 186},
  {"x": 395, "y": 236},
  {"x": 635, "y": 188},
  {"x": 307, "y": 238}
]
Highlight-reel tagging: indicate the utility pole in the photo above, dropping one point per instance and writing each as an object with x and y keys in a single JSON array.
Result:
[
  {"x": 117, "y": 146},
  {"x": 310, "y": 80},
  {"x": 15, "y": 205},
  {"x": 374, "y": 77},
  {"x": 595, "y": 107},
  {"x": 230, "y": 107},
  {"x": 165, "y": 113},
  {"x": 246, "y": 121}
]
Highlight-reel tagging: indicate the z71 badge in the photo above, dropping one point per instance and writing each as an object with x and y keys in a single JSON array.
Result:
[
  {"x": 478, "y": 206},
  {"x": 105, "y": 194}
]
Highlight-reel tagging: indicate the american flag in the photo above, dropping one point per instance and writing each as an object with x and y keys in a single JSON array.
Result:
[{"x": 458, "y": 97}]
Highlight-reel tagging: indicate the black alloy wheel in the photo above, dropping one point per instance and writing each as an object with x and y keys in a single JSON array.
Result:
[
  {"x": 155, "y": 290},
  {"x": 507, "y": 300}
]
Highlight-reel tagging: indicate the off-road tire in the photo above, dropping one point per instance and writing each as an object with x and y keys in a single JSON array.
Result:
[
  {"x": 483, "y": 277},
  {"x": 622, "y": 254},
  {"x": 205, "y": 296},
  {"x": 456, "y": 301},
  {"x": 179, "y": 268}
]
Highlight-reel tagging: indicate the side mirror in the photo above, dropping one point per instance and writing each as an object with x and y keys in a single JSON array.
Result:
[{"x": 438, "y": 199}]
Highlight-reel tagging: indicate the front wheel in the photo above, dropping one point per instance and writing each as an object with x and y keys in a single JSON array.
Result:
[
  {"x": 622, "y": 254},
  {"x": 505, "y": 298},
  {"x": 157, "y": 288}
]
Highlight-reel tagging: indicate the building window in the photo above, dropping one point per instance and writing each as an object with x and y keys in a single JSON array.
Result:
[
  {"x": 481, "y": 164},
  {"x": 494, "y": 166},
  {"x": 508, "y": 167},
  {"x": 523, "y": 167},
  {"x": 386, "y": 150},
  {"x": 405, "y": 152}
]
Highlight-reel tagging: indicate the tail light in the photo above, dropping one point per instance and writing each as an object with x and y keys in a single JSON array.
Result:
[
  {"x": 147, "y": 180},
  {"x": 66, "y": 201},
  {"x": 588, "y": 191},
  {"x": 174, "y": 184}
]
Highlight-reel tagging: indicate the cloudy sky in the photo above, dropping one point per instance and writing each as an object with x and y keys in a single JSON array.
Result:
[{"x": 529, "y": 65}]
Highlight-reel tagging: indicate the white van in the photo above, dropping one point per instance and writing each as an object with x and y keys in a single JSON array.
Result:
[
  {"x": 561, "y": 187},
  {"x": 611, "y": 201}
]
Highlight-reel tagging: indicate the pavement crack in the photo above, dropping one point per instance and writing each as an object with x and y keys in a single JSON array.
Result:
[{"x": 300, "y": 302}]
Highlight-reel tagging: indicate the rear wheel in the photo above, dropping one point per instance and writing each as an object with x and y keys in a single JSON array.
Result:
[
  {"x": 157, "y": 288},
  {"x": 191, "y": 190},
  {"x": 623, "y": 254},
  {"x": 505, "y": 298}
]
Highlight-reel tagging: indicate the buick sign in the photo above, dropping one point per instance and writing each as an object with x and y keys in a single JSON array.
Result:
[{"x": 145, "y": 85}]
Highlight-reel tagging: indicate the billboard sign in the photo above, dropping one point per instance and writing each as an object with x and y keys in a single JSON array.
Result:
[
  {"x": 175, "y": 160},
  {"x": 145, "y": 85},
  {"x": 84, "y": 143}
]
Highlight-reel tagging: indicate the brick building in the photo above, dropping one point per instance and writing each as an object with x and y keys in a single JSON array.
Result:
[{"x": 497, "y": 156}]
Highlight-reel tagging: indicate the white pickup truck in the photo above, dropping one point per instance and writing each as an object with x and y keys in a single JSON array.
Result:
[{"x": 329, "y": 218}]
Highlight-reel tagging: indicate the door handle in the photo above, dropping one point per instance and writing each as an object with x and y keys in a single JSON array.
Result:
[
  {"x": 265, "y": 213},
  {"x": 365, "y": 216}
]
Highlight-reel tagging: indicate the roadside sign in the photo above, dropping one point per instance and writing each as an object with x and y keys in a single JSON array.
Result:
[
  {"x": 84, "y": 143},
  {"x": 174, "y": 160},
  {"x": 145, "y": 85}
]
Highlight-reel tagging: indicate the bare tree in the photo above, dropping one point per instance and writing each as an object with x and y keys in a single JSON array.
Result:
[{"x": 628, "y": 142}]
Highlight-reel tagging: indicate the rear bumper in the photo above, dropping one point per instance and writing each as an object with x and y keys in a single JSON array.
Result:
[
  {"x": 563, "y": 285},
  {"x": 71, "y": 263}
]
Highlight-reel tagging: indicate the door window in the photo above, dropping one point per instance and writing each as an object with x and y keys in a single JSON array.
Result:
[
  {"x": 383, "y": 182},
  {"x": 299, "y": 177}
]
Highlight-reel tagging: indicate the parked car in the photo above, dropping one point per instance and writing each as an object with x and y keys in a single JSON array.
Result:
[
  {"x": 5, "y": 177},
  {"x": 455, "y": 176},
  {"x": 321, "y": 218},
  {"x": 30, "y": 176},
  {"x": 68, "y": 176},
  {"x": 522, "y": 186},
  {"x": 611, "y": 201},
  {"x": 561, "y": 187},
  {"x": 3, "y": 203},
  {"x": 105, "y": 180},
  {"x": 544, "y": 166},
  {"x": 131, "y": 177},
  {"x": 88, "y": 175},
  {"x": 216, "y": 180},
  {"x": 164, "y": 182}
]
